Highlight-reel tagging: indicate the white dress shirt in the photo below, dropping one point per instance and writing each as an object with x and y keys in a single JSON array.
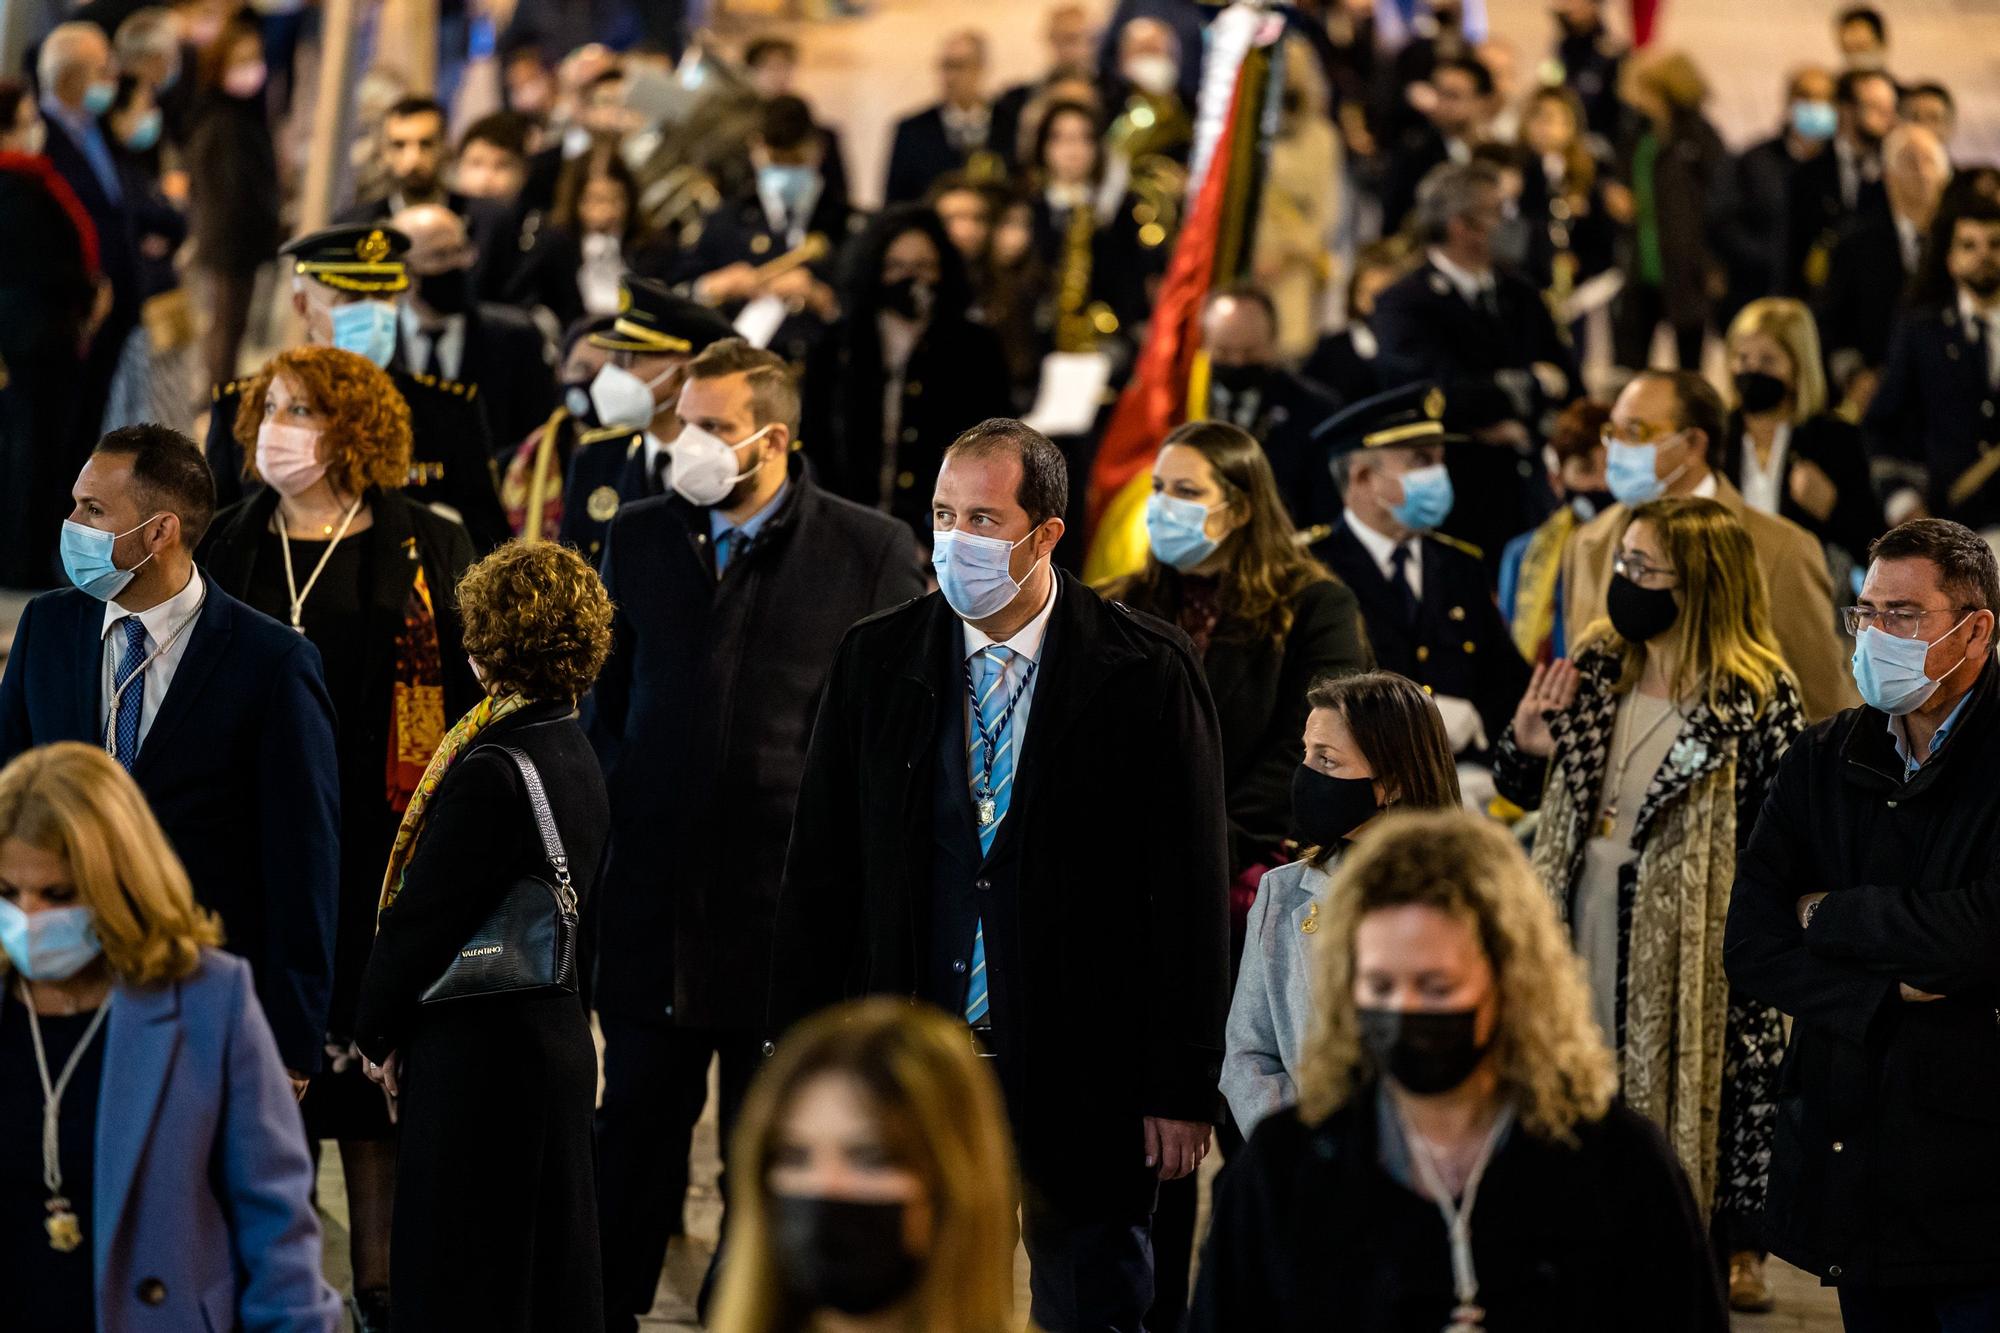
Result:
[
  {"x": 1471, "y": 286},
  {"x": 966, "y": 126},
  {"x": 1027, "y": 642},
  {"x": 450, "y": 336},
  {"x": 601, "y": 276},
  {"x": 1382, "y": 550},
  {"x": 169, "y": 626},
  {"x": 1764, "y": 487}
]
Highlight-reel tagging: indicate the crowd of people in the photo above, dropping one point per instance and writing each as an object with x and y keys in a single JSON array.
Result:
[{"x": 594, "y": 619}]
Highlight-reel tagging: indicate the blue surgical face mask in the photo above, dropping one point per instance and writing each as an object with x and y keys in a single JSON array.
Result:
[
  {"x": 1632, "y": 472},
  {"x": 1427, "y": 498},
  {"x": 789, "y": 185},
  {"x": 146, "y": 133},
  {"x": 974, "y": 573},
  {"x": 53, "y": 944},
  {"x": 86, "y": 557},
  {"x": 1814, "y": 120},
  {"x": 1177, "y": 530},
  {"x": 1889, "y": 671},
  {"x": 98, "y": 97},
  {"x": 367, "y": 328}
]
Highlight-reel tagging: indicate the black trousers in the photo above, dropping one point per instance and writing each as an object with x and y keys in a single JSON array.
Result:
[
  {"x": 1638, "y": 312},
  {"x": 655, "y": 1087},
  {"x": 1089, "y": 1271}
]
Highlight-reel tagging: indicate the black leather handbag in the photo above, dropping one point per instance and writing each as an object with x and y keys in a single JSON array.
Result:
[{"x": 528, "y": 943}]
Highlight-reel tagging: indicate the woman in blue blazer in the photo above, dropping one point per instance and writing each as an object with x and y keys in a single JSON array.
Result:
[{"x": 177, "y": 1194}]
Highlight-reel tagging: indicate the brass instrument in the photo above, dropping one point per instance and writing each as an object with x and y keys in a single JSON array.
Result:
[
  {"x": 809, "y": 251},
  {"x": 679, "y": 202},
  {"x": 1079, "y": 320}
]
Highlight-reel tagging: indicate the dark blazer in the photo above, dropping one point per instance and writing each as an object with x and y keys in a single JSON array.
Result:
[
  {"x": 1259, "y": 689},
  {"x": 117, "y": 245},
  {"x": 1307, "y": 1221},
  {"x": 921, "y": 152},
  {"x": 1836, "y": 445},
  {"x": 450, "y": 457},
  {"x": 513, "y": 367},
  {"x": 239, "y": 768},
  {"x": 1865, "y": 290},
  {"x": 741, "y": 232},
  {"x": 1749, "y": 216},
  {"x": 201, "y": 1186},
  {"x": 1104, "y": 896},
  {"x": 956, "y": 379},
  {"x": 1459, "y": 646},
  {"x": 1816, "y": 216},
  {"x": 1934, "y": 415},
  {"x": 383, "y": 208},
  {"x": 1886, "y": 1154},
  {"x": 1339, "y": 365},
  {"x": 1289, "y": 409},
  {"x": 604, "y": 474},
  {"x": 702, "y": 717},
  {"x": 1416, "y": 150}
]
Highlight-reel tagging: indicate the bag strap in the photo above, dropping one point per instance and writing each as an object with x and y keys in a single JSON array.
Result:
[{"x": 545, "y": 824}]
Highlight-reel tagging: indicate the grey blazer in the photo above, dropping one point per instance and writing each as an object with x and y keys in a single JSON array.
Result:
[{"x": 1273, "y": 1006}]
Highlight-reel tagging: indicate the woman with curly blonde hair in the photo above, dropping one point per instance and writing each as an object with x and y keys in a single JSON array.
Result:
[
  {"x": 331, "y": 546},
  {"x": 495, "y": 1221},
  {"x": 878, "y": 1181},
  {"x": 1456, "y": 1160}
]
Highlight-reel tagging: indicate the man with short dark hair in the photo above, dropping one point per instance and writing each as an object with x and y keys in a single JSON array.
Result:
[
  {"x": 951, "y": 135},
  {"x": 733, "y": 593},
  {"x": 1863, "y": 37},
  {"x": 1930, "y": 105},
  {"x": 1072, "y": 910},
  {"x": 1249, "y": 388},
  {"x": 1867, "y": 907},
  {"x": 493, "y": 157},
  {"x": 410, "y": 154},
  {"x": 1664, "y": 431},
  {"x": 219, "y": 713},
  {"x": 1836, "y": 190},
  {"x": 1453, "y": 125}
]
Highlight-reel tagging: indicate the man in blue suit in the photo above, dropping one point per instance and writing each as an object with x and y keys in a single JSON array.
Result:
[{"x": 219, "y": 713}]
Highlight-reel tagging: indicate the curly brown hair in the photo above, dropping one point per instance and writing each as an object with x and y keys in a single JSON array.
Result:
[
  {"x": 537, "y": 620},
  {"x": 366, "y": 440}
]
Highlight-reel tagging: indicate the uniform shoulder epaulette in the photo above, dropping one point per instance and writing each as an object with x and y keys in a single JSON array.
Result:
[
  {"x": 1455, "y": 544},
  {"x": 1313, "y": 535},
  {"x": 459, "y": 388},
  {"x": 633, "y": 438},
  {"x": 218, "y": 392}
]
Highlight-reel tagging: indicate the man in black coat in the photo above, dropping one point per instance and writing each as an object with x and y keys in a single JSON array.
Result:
[
  {"x": 1248, "y": 388},
  {"x": 1448, "y": 132},
  {"x": 956, "y": 134},
  {"x": 625, "y": 457},
  {"x": 450, "y": 456},
  {"x": 219, "y": 713},
  {"x": 1865, "y": 907},
  {"x": 1835, "y": 190},
  {"x": 1484, "y": 334},
  {"x": 1076, "y": 918},
  {"x": 729, "y": 614},
  {"x": 410, "y": 152},
  {"x": 1875, "y": 262},
  {"x": 1425, "y": 598},
  {"x": 1934, "y": 424},
  {"x": 1749, "y": 210},
  {"x": 1072, "y": 38},
  {"x": 1590, "y": 57},
  {"x": 495, "y": 350}
]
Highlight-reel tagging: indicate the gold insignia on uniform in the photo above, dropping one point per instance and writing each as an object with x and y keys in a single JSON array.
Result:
[
  {"x": 602, "y": 504},
  {"x": 1456, "y": 613},
  {"x": 1470, "y": 645},
  {"x": 1152, "y": 235},
  {"x": 1434, "y": 404},
  {"x": 624, "y": 299},
  {"x": 372, "y": 248},
  {"x": 1423, "y": 652},
  {"x": 759, "y": 244}
]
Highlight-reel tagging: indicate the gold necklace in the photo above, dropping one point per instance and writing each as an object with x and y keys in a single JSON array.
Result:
[{"x": 1609, "y": 821}]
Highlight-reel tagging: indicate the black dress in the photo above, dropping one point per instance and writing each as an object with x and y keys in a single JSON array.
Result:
[
  {"x": 47, "y": 1291},
  {"x": 495, "y": 1225},
  {"x": 352, "y": 617}
]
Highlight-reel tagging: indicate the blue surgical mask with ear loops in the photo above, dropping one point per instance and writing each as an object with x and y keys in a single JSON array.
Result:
[
  {"x": 366, "y": 328},
  {"x": 1889, "y": 672},
  {"x": 1427, "y": 498},
  {"x": 1177, "y": 530}
]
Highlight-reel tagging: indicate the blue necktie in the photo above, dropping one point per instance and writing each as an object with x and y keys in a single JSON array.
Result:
[
  {"x": 723, "y": 541},
  {"x": 125, "y": 722},
  {"x": 993, "y": 694}
]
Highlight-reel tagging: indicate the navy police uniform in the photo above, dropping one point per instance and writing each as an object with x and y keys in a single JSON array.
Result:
[
  {"x": 1456, "y": 644},
  {"x": 1935, "y": 420},
  {"x": 608, "y": 469},
  {"x": 743, "y": 231}
]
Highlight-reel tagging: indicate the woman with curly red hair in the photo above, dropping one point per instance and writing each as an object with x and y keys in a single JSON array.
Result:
[{"x": 330, "y": 546}]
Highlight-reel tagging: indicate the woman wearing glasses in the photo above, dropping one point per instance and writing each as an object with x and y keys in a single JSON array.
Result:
[{"x": 1648, "y": 757}]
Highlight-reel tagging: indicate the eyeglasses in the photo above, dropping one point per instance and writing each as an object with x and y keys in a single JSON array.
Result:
[
  {"x": 1638, "y": 434},
  {"x": 1901, "y": 622},
  {"x": 1635, "y": 568}
]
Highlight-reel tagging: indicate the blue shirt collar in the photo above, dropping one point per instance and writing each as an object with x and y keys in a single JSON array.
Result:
[
  {"x": 718, "y": 522},
  {"x": 1897, "y": 733},
  {"x": 80, "y": 124}
]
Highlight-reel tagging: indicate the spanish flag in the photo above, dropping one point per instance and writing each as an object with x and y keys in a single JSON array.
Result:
[{"x": 1171, "y": 378}]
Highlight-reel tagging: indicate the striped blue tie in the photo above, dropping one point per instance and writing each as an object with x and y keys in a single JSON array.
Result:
[
  {"x": 993, "y": 685},
  {"x": 125, "y": 723}
]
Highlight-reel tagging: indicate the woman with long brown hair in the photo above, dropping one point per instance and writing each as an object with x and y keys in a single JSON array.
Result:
[
  {"x": 1649, "y": 756},
  {"x": 877, "y": 1182}
]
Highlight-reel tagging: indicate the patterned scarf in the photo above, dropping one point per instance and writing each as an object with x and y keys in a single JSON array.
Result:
[
  {"x": 416, "y": 697},
  {"x": 456, "y": 742}
]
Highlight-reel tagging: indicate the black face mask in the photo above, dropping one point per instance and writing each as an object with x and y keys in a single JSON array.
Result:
[
  {"x": 907, "y": 297},
  {"x": 576, "y": 397},
  {"x": 1326, "y": 809},
  {"x": 1239, "y": 380},
  {"x": 1427, "y": 1052},
  {"x": 833, "y": 1254},
  {"x": 447, "y": 293},
  {"x": 1759, "y": 392},
  {"x": 1587, "y": 505},
  {"x": 1639, "y": 614}
]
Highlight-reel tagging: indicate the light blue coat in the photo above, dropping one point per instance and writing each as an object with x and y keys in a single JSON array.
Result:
[
  {"x": 201, "y": 1216},
  {"x": 1273, "y": 1006}
]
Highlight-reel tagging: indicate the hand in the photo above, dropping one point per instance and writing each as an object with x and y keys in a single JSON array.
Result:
[
  {"x": 1912, "y": 995},
  {"x": 731, "y": 282},
  {"x": 1804, "y": 903},
  {"x": 1175, "y": 1147},
  {"x": 794, "y": 287},
  {"x": 1812, "y": 489},
  {"x": 1619, "y": 203},
  {"x": 1552, "y": 689},
  {"x": 300, "y": 1082},
  {"x": 1860, "y": 392},
  {"x": 385, "y": 1073},
  {"x": 1553, "y": 379}
]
